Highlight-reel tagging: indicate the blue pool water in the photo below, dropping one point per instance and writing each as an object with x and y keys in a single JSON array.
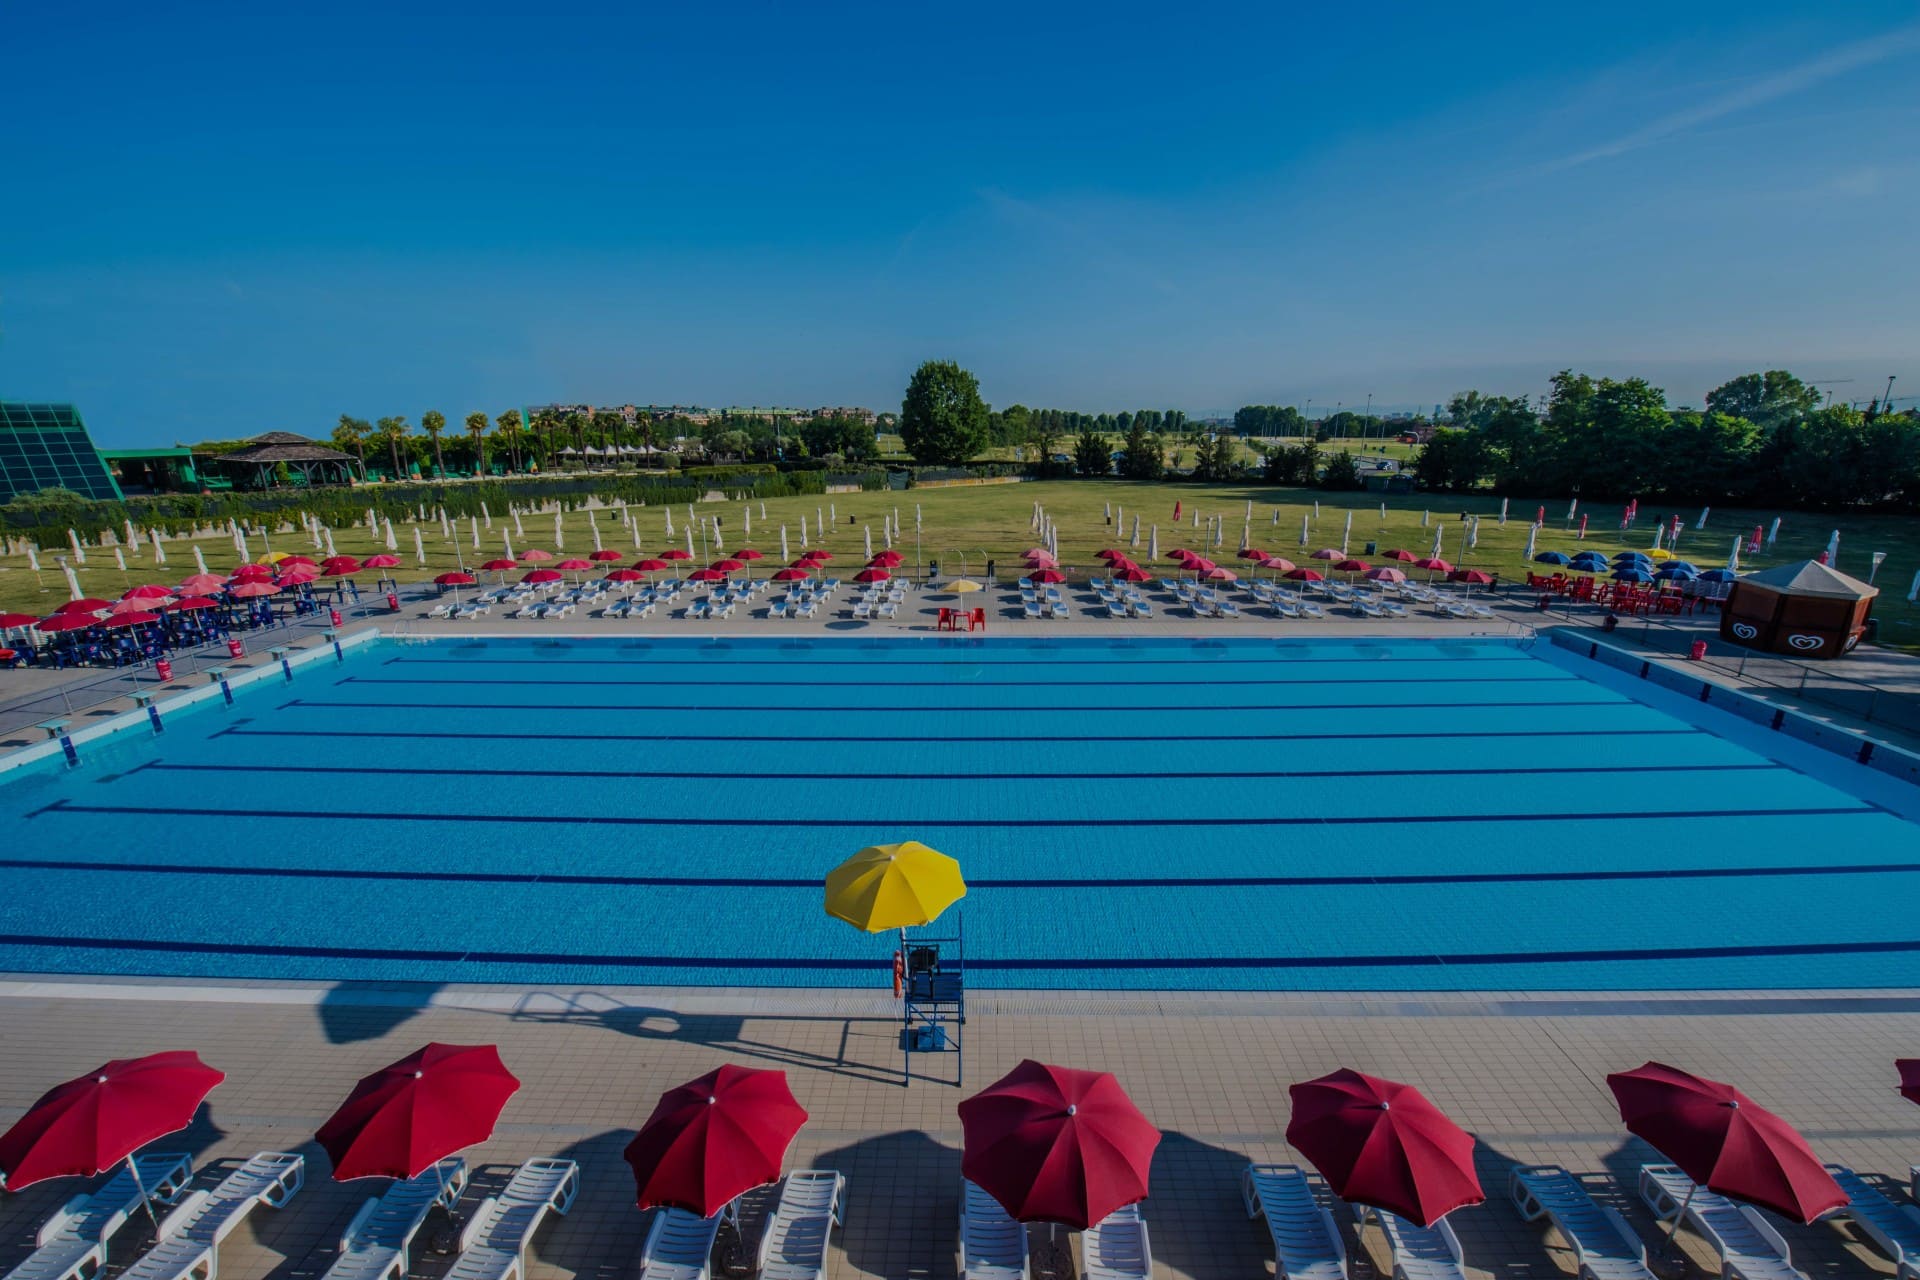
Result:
[{"x": 1235, "y": 814}]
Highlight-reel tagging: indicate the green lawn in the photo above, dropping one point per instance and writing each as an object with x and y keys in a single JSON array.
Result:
[{"x": 963, "y": 527}]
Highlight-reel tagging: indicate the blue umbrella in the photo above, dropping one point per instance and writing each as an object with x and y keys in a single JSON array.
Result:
[
  {"x": 1627, "y": 573},
  {"x": 1550, "y": 557},
  {"x": 1719, "y": 575},
  {"x": 1676, "y": 573},
  {"x": 1641, "y": 556},
  {"x": 1682, "y": 566}
]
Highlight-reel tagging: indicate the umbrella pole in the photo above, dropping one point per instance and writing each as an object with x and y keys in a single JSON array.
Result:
[
  {"x": 1674, "y": 1230},
  {"x": 145, "y": 1203}
]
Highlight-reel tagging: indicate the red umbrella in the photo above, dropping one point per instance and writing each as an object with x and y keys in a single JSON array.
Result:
[
  {"x": 605, "y": 555},
  {"x": 88, "y": 605},
  {"x": 625, "y": 575},
  {"x": 252, "y": 590},
  {"x": 1179, "y": 553},
  {"x": 1725, "y": 1141},
  {"x": 201, "y": 584},
  {"x": 541, "y": 575},
  {"x": 120, "y": 621},
  {"x": 748, "y": 553},
  {"x": 1433, "y": 564},
  {"x": 1200, "y": 564},
  {"x": 535, "y": 555},
  {"x": 674, "y": 553},
  {"x": 253, "y": 573},
  {"x": 1049, "y": 575},
  {"x": 1909, "y": 1068},
  {"x": 296, "y": 577},
  {"x": 1135, "y": 574},
  {"x": 1405, "y": 556},
  {"x": 92, "y": 1122},
  {"x": 819, "y": 555},
  {"x": 1352, "y": 566},
  {"x": 1053, "y": 1144},
  {"x": 1279, "y": 564},
  {"x": 1031, "y": 552},
  {"x": 147, "y": 591},
  {"x": 1110, "y": 554},
  {"x": 804, "y": 562},
  {"x": 728, "y": 565},
  {"x": 713, "y": 1139},
  {"x": 382, "y": 561},
  {"x": 706, "y": 575},
  {"x": 1041, "y": 562},
  {"x": 340, "y": 567},
  {"x": 500, "y": 565},
  {"x": 885, "y": 560},
  {"x": 1381, "y": 1143},
  {"x": 18, "y": 619},
  {"x": 574, "y": 564},
  {"x": 791, "y": 575},
  {"x": 192, "y": 604},
  {"x": 68, "y": 622},
  {"x": 1328, "y": 553},
  {"x": 135, "y": 606},
  {"x": 403, "y": 1118},
  {"x": 295, "y": 562},
  {"x": 872, "y": 575},
  {"x": 1220, "y": 575},
  {"x": 454, "y": 580},
  {"x": 1251, "y": 553},
  {"x": 1472, "y": 577},
  {"x": 1386, "y": 575},
  {"x": 651, "y": 565}
]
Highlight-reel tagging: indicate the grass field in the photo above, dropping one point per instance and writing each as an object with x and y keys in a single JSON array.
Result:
[{"x": 964, "y": 527}]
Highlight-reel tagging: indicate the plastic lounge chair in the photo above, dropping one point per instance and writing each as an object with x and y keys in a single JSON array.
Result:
[
  {"x": 1141, "y": 609},
  {"x": 1419, "y": 1253},
  {"x": 1478, "y": 610},
  {"x": 1285, "y": 609},
  {"x": 1894, "y": 1227},
  {"x": 72, "y": 1244},
  {"x": 1030, "y": 609},
  {"x": 1117, "y": 1247},
  {"x": 680, "y": 1245},
  {"x": 1749, "y": 1248},
  {"x": 992, "y": 1245},
  {"x": 1393, "y": 609},
  {"x": 374, "y": 1245},
  {"x": 186, "y": 1245},
  {"x": 1226, "y": 609},
  {"x": 494, "y": 1244},
  {"x": 1604, "y": 1246},
  {"x": 793, "y": 1245},
  {"x": 1116, "y": 610},
  {"x": 1306, "y": 1244}
]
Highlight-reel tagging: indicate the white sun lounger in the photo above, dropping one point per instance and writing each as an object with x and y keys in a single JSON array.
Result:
[
  {"x": 72, "y": 1244},
  {"x": 1306, "y": 1244},
  {"x": 494, "y": 1244},
  {"x": 1894, "y": 1227},
  {"x": 1117, "y": 1247},
  {"x": 188, "y": 1241},
  {"x": 374, "y": 1245},
  {"x": 1310, "y": 609},
  {"x": 1604, "y": 1246},
  {"x": 679, "y": 1244},
  {"x": 794, "y": 1244},
  {"x": 1749, "y": 1248},
  {"x": 992, "y": 1245},
  {"x": 1419, "y": 1253}
]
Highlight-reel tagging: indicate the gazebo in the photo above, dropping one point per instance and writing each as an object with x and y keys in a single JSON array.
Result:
[
  {"x": 310, "y": 464},
  {"x": 1804, "y": 610}
]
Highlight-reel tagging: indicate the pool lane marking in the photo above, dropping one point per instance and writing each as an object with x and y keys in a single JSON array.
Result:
[
  {"x": 707, "y": 963},
  {"x": 890, "y": 682},
  {"x": 762, "y": 775},
  {"x": 639, "y": 820},
  {"x": 1111, "y": 657},
  {"x": 1610, "y": 700},
  {"x": 517, "y": 735},
  {"x": 574, "y": 879}
]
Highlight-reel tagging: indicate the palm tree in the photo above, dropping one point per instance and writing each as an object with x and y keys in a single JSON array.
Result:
[
  {"x": 352, "y": 434},
  {"x": 507, "y": 427},
  {"x": 643, "y": 425},
  {"x": 433, "y": 422},
  {"x": 477, "y": 428},
  {"x": 393, "y": 431},
  {"x": 545, "y": 424}
]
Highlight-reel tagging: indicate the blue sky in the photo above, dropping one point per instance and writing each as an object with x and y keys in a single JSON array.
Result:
[{"x": 227, "y": 219}]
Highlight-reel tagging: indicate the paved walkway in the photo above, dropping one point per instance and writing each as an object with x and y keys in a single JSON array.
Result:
[{"x": 1524, "y": 1073}]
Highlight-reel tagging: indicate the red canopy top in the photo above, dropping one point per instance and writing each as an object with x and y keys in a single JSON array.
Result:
[
  {"x": 728, "y": 565},
  {"x": 1396, "y": 554},
  {"x": 604, "y": 555},
  {"x": 541, "y": 575},
  {"x": 1054, "y": 1144},
  {"x": 625, "y": 575},
  {"x": 872, "y": 575},
  {"x": 533, "y": 555},
  {"x": 92, "y": 1122},
  {"x": 1049, "y": 575},
  {"x": 574, "y": 564},
  {"x": 454, "y": 579},
  {"x": 398, "y": 1121},
  {"x": 1252, "y": 553},
  {"x": 652, "y": 565},
  {"x": 886, "y": 560},
  {"x": 1381, "y": 1143},
  {"x": 1909, "y": 1069},
  {"x": 1725, "y": 1141},
  {"x": 713, "y": 1138},
  {"x": 68, "y": 622},
  {"x": 147, "y": 591},
  {"x": 381, "y": 561},
  {"x": 674, "y": 553},
  {"x": 87, "y": 605},
  {"x": 500, "y": 565},
  {"x": 748, "y": 553}
]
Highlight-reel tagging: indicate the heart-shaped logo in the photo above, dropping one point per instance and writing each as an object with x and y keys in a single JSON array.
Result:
[
  {"x": 1745, "y": 630},
  {"x": 1806, "y": 642}
]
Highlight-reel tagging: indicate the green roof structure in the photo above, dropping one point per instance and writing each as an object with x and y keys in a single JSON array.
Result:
[{"x": 46, "y": 446}]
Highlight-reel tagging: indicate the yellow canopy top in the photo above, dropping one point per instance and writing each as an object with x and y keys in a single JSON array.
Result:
[
  {"x": 893, "y": 886},
  {"x": 273, "y": 557},
  {"x": 962, "y": 584}
]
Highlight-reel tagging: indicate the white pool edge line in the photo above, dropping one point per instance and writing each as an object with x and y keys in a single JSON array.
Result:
[{"x": 137, "y": 718}]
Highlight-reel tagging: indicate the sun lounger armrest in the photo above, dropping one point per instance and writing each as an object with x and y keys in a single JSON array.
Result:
[
  {"x": 53, "y": 1226},
  {"x": 479, "y": 1222},
  {"x": 1451, "y": 1240},
  {"x": 358, "y": 1224},
  {"x": 182, "y": 1213},
  {"x": 1628, "y": 1235},
  {"x": 1765, "y": 1230}
]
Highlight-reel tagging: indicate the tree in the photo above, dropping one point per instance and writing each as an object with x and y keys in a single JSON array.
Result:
[
  {"x": 1292, "y": 464},
  {"x": 1452, "y": 460},
  {"x": 1090, "y": 456},
  {"x": 1341, "y": 473},
  {"x": 1765, "y": 399},
  {"x": 1146, "y": 457},
  {"x": 943, "y": 420},
  {"x": 352, "y": 434},
  {"x": 433, "y": 422},
  {"x": 1214, "y": 458},
  {"x": 393, "y": 431},
  {"x": 507, "y": 427},
  {"x": 477, "y": 428}
]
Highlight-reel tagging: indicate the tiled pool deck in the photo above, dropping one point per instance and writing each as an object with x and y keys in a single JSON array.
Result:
[{"x": 1524, "y": 1072}]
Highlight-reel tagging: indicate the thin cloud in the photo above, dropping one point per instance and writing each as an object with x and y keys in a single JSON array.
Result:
[{"x": 1781, "y": 84}]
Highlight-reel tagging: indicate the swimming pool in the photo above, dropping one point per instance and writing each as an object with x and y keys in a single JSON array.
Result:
[{"x": 1144, "y": 813}]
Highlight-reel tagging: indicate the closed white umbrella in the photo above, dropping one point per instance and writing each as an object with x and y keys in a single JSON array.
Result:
[
  {"x": 506, "y": 541},
  {"x": 133, "y": 537},
  {"x": 784, "y": 556},
  {"x": 1120, "y": 516},
  {"x": 1503, "y": 511},
  {"x": 1701, "y": 523},
  {"x": 1773, "y": 531},
  {"x": 1153, "y": 542},
  {"x": 73, "y": 581},
  {"x": 1833, "y": 550},
  {"x": 718, "y": 545},
  {"x": 669, "y": 512},
  {"x": 1473, "y": 533},
  {"x": 833, "y": 513},
  {"x": 1136, "y": 530},
  {"x": 689, "y": 532},
  {"x": 1659, "y": 530},
  {"x": 79, "y": 552},
  {"x": 1275, "y": 522},
  {"x": 559, "y": 537},
  {"x": 595, "y": 526},
  {"x": 33, "y": 557},
  {"x": 519, "y": 530},
  {"x": 446, "y": 526},
  {"x": 486, "y": 517},
  {"x": 803, "y": 533},
  {"x": 419, "y": 548},
  {"x": 1246, "y": 535},
  {"x": 1533, "y": 533},
  {"x": 476, "y": 531},
  {"x": 120, "y": 558},
  {"x": 820, "y": 520},
  {"x": 393, "y": 543},
  {"x": 1306, "y": 531},
  {"x": 199, "y": 559},
  {"x": 1438, "y": 535},
  {"x": 1107, "y": 510},
  {"x": 240, "y": 545},
  {"x": 326, "y": 532},
  {"x": 1733, "y": 556},
  {"x": 160, "y": 552},
  {"x": 1346, "y": 534},
  {"x": 1913, "y": 592},
  {"x": 746, "y": 523}
]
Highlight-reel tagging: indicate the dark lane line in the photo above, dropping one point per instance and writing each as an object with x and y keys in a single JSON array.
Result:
[
  {"x": 891, "y": 682},
  {"x": 517, "y": 735},
  {"x": 284, "y": 813},
  {"x": 764, "y": 964},
  {"x": 820, "y": 708},
  {"x": 603, "y": 881},
  {"x": 1121, "y": 657},
  {"x": 891, "y": 775}
]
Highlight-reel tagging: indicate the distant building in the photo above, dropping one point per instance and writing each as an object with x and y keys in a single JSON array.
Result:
[
  {"x": 164, "y": 470},
  {"x": 308, "y": 464},
  {"x": 46, "y": 446}
]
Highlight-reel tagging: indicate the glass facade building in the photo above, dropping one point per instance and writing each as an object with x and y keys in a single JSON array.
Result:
[{"x": 46, "y": 446}]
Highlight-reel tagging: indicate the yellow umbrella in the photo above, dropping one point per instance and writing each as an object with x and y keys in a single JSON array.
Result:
[
  {"x": 893, "y": 886},
  {"x": 273, "y": 557},
  {"x": 1661, "y": 553},
  {"x": 962, "y": 584}
]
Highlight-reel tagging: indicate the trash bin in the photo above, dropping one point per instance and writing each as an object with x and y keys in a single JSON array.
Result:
[
  {"x": 1697, "y": 650},
  {"x": 1373, "y": 548},
  {"x": 1610, "y": 622}
]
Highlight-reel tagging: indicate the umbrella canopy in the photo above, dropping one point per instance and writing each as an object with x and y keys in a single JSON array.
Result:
[
  {"x": 1218, "y": 574},
  {"x": 335, "y": 566},
  {"x": 18, "y": 619},
  {"x": 500, "y": 566},
  {"x": 298, "y": 577},
  {"x": 92, "y": 1122},
  {"x": 728, "y": 565},
  {"x": 1725, "y": 1141},
  {"x": 541, "y": 575},
  {"x": 534, "y": 555},
  {"x": 192, "y": 604},
  {"x": 605, "y": 555},
  {"x": 68, "y": 622},
  {"x": 121, "y": 621},
  {"x": 1251, "y": 553},
  {"x": 652, "y": 564},
  {"x": 1675, "y": 573},
  {"x": 254, "y": 573},
  {"x": 706, "y": 575},
  {"x": 872, "y": 575},
  {"x": 1054, "y": 1144},
  {"x": 291, "y": 562},
  {"x": 625, "y": 575},
  {"x": 885, "y": 560},
  {"x": 201, "y": 584},
  {"x": 1132, "y": 573},
  {"x": 1200, "y": 564},
  {"x": 574, "y": 564},
  {"x": 1909, "y": 1069},
  {"x": 1433, "y": 564},
  {"x": 748, "y": 553},
  {"x": 960, "y": 586},
  {"x": 817, "y": 554},
  {"x": 404, "y": 1117},
  {"x": 791, "y": 575},
  {"x": 119, "y": 607},
  {"x": 381, "y": 561},
  {"x": 1305, "y": 575},
  {"x": 675, "y": 553},
  {"x": 1328, "y": 553},
  {"x": 1280, "y": 564},
  {"x": 86, "y": 605},
  {"x": 454, "y": 580},
  {"x": 1552, "y": 557},
  {"x": 713, "y": 1139},
  {"x": 1641, "y": 556},
  {"x": 1406, "y": 557},
  {"x": 1040, "y": 562},
  {"x": 1720, "y": 575},
  {"x": 1381, "y": 1143},
  {"x": 1352, "y": 566},
  {"x": 252, "y": 590},
  {"x": 1109, "y": 553},
  {"x": 1386, "y": 575},
  {"x": 893, "y": 886},
  {"x": 1031, "y": 552},
  {"x": 147, "y": 591},
  {"x": 1049, "y": 575},
  {"x": 1472, "y": 577},
  {"x": 1628, "y": 573}
]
